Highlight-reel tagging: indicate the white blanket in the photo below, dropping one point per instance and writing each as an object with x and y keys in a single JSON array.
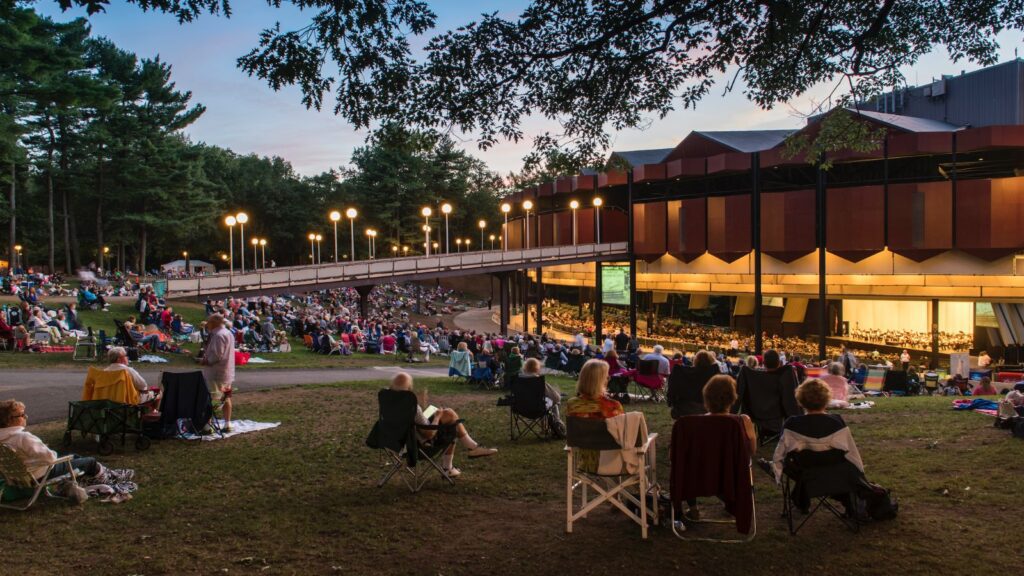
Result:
[
  {"x": 630, "y": 431},
  {"x": 237, "y": 427}
]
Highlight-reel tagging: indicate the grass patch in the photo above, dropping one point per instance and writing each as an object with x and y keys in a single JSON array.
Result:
[
  {"x": 192, "y": 313},
  {"x": 301, "y": 499}
]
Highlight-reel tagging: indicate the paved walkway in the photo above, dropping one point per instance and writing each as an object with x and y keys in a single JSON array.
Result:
[
  {"x": 46, "y": 393},
  {"x": 479, "y": 319}
]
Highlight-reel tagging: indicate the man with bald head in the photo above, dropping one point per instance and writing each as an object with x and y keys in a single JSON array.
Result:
[{"x": 219, "y": 364}]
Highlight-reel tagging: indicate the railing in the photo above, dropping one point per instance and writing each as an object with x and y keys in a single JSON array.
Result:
[{"x": 386, "y": 269}]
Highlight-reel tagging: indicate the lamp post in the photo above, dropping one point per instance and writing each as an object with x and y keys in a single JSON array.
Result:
[
  {"x": 426, "y": 227},
  {"x": 435, "y": 246},
  {"x": 575, "y": 206},
  {"x": 242, "y": 218},
  {"x": 505, "y": 209},
  {"x": 492, "y": 241},
  {"x": 103, "y": 255},
  {"x": 263, "y": 251},
  {"x": 405, "y": 250},
  {"x": 527, "y": 206},
  {"x": 230, "y": 221},
  {"x": 255, "y": 256},
  {"x": 352, "y": 213},
  {"x": 319, "y": 250},
  {"x": 184, "y": 255},
  {"x": 466, "y": 241},
  {"x": 312, "y": 249},
  {"x": 394, "y": 250},
  {"x": 335, "y": 216},
  {"x": 597, "y": 208},
  {"x": 370, "y": 235},
  {"x": 458, "y": 244},
  {"x": 482, "y": 224},
  {"x": 446, "y": 208}
]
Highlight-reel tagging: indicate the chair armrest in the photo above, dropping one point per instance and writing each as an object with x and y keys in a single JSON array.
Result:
[
  {"x": 647, "y": 444},
  {"x": 62, "y": 460}
]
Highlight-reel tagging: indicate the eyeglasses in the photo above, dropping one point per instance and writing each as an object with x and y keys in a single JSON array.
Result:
[{"x": 22, "y": 415}]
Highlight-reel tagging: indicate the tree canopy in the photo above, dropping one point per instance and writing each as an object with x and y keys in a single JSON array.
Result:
[{"x": 596, "y": 66}]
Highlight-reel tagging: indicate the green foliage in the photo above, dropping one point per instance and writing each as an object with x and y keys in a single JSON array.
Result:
[{"x": 838, "y": 131}]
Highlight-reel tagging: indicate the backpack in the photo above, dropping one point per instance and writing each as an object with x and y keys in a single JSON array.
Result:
[{"x": 878, "y": 502}]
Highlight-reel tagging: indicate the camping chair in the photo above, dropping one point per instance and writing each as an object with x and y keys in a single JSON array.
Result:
[
  {"x": 19, "y": 482},
  {"x": 895, "y": 382},
  {"x": 649, "y": 383},
  {"x": 87, "y": 343},
  {"x": 483, "y": 376},
  {"x": 418, "y": 351},
  {"x": 186, "y": 398},
  {"x": 584, "y": 437},
  {"x": 575, "y": 364},
  {"x": 513, "y": 364},
  {"x": 768, "y": 397},
  {"x": 553, "y": 361},
  {"x": 875, "y": 381},
  {"x": 528, "y": 412},
  {"x": 394, "y": 434},
  {"x": 685, "y": 394},
  {"x": 710, "y": 456},
  {"x": 815, "y": 477},
  {"x": 109, "y": 407},
  {"x": 127, "y": 340},
  {"x": 931, "y": 382}
]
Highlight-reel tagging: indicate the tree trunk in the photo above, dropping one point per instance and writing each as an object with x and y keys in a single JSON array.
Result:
[
  {"x": 13, "y": 224},
  {"x": 99, "y": 210},
  {"x": 67, "y": 232},
  {"x": 76, "y": 255},
  {"x": 142, "y": 252},
  {"x": 49, "y": 188}
]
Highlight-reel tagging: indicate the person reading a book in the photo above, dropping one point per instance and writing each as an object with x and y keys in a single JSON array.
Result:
[{"x": 429, "y": 415}]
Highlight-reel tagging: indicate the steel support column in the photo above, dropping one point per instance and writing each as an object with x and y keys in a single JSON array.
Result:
[
  {"x": 503, "y": 303},
  {"x": 935, "y": 332},
  {"x": 755, "y": 237},
  {"x": 632, "y": 256},
  {"x": 524, "y": 299},
  {"x": 820, "y": 212},
  {"x": 598, "y": 304},
  {"x": 540, "y": 302},
  {"x": 364, "y": 305}
]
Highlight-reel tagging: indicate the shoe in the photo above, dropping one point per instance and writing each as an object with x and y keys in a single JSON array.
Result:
[
  {"x": 73, "y": 492},
  {"x": 453, "y": 472},
  {"x": 226, "y": 429},
  {"x": 480, "y": 452}
]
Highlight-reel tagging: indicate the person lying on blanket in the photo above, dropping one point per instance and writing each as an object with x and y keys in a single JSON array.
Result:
[
  {"x": 37, "y": 456},
  {"x": 403, "y": 381}
]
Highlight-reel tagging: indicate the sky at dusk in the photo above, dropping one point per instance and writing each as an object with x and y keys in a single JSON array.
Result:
[{"x": 247, "y": 116}]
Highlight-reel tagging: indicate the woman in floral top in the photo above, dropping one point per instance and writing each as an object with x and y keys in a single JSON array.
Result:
[{"x": 592, "y": 402}]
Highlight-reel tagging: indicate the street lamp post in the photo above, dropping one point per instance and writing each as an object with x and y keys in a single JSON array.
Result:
[
  {"x": 312, "y": 249},
  {"x": 352, "y": 213},
  {"x": 467, "y": 244},
  {"x": 426, "y": 227},
  {"x": 446, "y": 208},
  {"x": 230, "y": 221},
  {"x": 527, "y": 206},
  {"x": 394, "y": 250},
  {"x": 436, "y": 247},
  {"x": 482, "y": 224},
  {"x": 242, "y": 218},
  {"x": 505, "y": 209},
  {"x": 255, "y": 256},
  {"x": 458, "y": 244},
  {"x": 405, "y": 250},
  {"x": 597, "y": 208},
  {"x": 574, "y": 205},
  {"x": 263, "y": 251},
  {"x": 103, "y": 255},
  {"x": 335, "y": 216},
  {"x": 492, "y": 241},
  {"x": 319, "y": 250},
  {"x": 184, "y": 255}
]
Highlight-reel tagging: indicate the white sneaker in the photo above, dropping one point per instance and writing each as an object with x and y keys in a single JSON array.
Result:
[{"x": 480, "y": 452}]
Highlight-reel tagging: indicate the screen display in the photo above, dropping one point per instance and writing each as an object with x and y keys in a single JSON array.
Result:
[{"x": 615, "y": 285}]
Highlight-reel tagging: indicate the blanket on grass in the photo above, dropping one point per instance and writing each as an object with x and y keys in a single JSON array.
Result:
[
  {"x": 237, "y": 427},
  {"x": 979, "y": 405}
]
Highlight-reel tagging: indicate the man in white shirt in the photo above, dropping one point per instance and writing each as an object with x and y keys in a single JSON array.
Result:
[
  {"x": 118, "y": 360},
  {"x": 663, "y": 363}
]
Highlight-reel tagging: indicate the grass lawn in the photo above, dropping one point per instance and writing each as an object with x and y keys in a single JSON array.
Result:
[
  {"x": 301, "y": 499},
  {"x": 192, "y": 313}
]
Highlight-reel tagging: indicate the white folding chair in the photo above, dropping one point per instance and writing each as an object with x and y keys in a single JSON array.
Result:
[
  {"x": 584, "y": 438},
  {"x": 17, "y": 476}
]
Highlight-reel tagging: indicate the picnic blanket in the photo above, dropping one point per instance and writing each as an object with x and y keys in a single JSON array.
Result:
[
  {"x": 980, "y": 405},
  {"x": 258, "y": 360},
  {"x": 46, "y": 349},
  {"x": 114, "y": 485},
  {"x": 237, "y": 427},
  {"x": 152, "y": 359}
]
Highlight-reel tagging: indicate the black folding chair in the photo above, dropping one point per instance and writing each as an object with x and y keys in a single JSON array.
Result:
[
  {"x": 815, "y": 478},
  {"x": 394, "y": 435},
  {"x": 528, "y": 411},
  {"x": 768, "y": 397},
  {"x": 685, "y": 394},
  {"x": 127, "y": 340},
  {"x": 186, "y": 399},
  {"x": 895, "y": 382}
]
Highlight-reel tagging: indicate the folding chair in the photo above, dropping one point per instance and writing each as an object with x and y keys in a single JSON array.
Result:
[
  {"x": 185, "y": 398},
  {"x": 814, "y": 478},
  {"x": 18, "y": 480},
  {"x": 685, "y": 394},
  {"x": 88, "y": 343},
  {"x": 768, "y": 397},
  {"x": 584, "y": 437},
  {"x": 875, "y": 381},
  {"x": 553, "y": 361},
  {"x": 649, "y": 383},
  {"x": 394, "y": 435},
  {"x": 710, "y": 456},
  {"x": 895, "y": 382},
  {"x": 127, "y": 340},
  {"x": 528, "y": 411}
]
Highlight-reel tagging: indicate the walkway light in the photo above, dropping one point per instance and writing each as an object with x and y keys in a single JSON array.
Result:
[
  {"x": 482, "y": 224},
  {"x": 263, "y": 251},
  {"x": 575, "y": 206},
  {"x": 242, "y": 218},
  {"x": 446, "y": 208},
  {"x": 255, "y": 246},
  {"x": 492, "y": 241},
  {"x": 335, "y": 216},
  {"x": 426, "y": 211},
  {"x": 505, "y": 209},
  {"x": 230, "y": 221},
  {"x": 312, "y": 249},
  {"x": 597, "y": 208},
  {"x": 351, "y": 213},
  {"x": 319, "y": 251},
  {"x": 527, "y": 206}
]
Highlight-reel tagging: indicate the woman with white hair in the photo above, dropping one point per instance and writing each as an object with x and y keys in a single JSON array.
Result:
[{"x": 664, "y": 367}]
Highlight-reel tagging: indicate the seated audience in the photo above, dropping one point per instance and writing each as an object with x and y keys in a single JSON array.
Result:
[
  {"x": 985, "y": 388},
  {"x": 552, "y": 397},
  {"x": 837, "y": 385}
]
